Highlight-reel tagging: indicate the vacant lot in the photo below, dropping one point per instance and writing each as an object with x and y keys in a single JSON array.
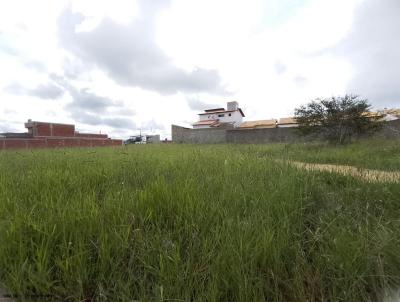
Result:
[{"x": 199, "y": 223}]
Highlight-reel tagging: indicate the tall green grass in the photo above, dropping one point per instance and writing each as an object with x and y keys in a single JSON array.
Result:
[
  {"x": 191, "y": 223},
  {"x": 368, "y": 153}
]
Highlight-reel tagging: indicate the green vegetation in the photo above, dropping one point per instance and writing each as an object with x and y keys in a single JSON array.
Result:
[
  {"x": 337, "y": 119},
  {"x": 370, "y": 154},
  {"x": 195, "y": 223}
]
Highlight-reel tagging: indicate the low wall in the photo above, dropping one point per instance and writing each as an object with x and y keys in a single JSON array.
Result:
[
  {"x": 56, "y": 142},
  {"x": 262, "y": 136},
  {"x": 390, "y": 130},
  {"x": 53, "y": 135},
  {"x": 198, "y": 136}
]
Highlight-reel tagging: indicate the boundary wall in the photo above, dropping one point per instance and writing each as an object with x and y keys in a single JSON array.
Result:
[
  {"x": 52, "y": 135},
  {"x": 390, "y": 130}
]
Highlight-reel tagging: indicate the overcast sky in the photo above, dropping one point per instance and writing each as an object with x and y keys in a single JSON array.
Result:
[{"x": 122, "y": 65}]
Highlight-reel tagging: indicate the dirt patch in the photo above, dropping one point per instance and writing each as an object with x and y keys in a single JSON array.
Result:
[
  {"x": 4, "y": 297},
  {"x": 364, "y": 174}
]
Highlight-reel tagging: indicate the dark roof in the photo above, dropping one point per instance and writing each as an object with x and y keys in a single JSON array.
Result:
[
  {"x": 16, "y": 135},
  {"x": 216, "y": 109},
  {"x": 222, "y": 111}
]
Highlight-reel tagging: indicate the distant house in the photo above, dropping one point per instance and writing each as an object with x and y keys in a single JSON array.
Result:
[
  {"x": 260, "y": 124},
  {"x": 53, "y": 135},
  {"x": 287, "y": 122},
  {"x": 217, "y": 117},
  {"x": 385, "y": 115},
  {"x": 391, "y": 114}
]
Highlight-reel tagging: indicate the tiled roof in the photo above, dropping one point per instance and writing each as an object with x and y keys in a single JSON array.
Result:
[
  {"x": 287, "y": 121},
  {"x": 395, "y": 112},
  {"x": 205, "y": 123},
  {"x": 372, "y": 114},
  {"x": 381, "y": 114},
  {"x": 217, "y": 124},
  {"x": 259, "y": 124}
]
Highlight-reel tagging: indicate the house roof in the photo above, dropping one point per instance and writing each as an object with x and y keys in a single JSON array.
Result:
[
  {"x": 217, "y": 124},
  {"x": 221, "y": 110},
  {"x": 395, "y": 112},
  {"x": 206, "y": 123},
  {"x": 216, "y": 109},
  {"x": 287, "y": 121},
  {"x": 372, "y": 114},
  {"x": 381, "y": 114},
  {"x": 259, "y": 124}
]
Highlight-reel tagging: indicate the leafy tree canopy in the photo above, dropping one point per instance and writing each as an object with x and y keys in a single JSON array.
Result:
[{"x": 337, "y": 119}]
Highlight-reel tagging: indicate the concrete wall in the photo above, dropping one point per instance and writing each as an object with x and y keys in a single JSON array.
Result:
[
  {"x": 198, "y": 136},
  {"x": 390, "y": 130},
  {"x": 153, "y": 139},
  {"x": 262, "y": 136}
]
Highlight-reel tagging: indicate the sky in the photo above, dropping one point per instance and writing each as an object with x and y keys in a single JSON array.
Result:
[{"x": 124, "y": 66}]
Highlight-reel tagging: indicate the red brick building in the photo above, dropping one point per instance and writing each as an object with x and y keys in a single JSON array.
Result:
[{"x": 52, "y": 135}]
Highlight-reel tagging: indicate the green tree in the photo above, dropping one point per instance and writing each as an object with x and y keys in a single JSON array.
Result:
[{"x": 337, "y": 119}]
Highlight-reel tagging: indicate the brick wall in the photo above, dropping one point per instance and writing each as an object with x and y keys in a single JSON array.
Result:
[
  {"x": 15, "y": 143},
  {"x": 50, "y": 129},
  {"x": 52, "y": 135},
  {"x": 90, "y": 135},
  {"x": 62, "y": 130},
  {"x": 42, "y": 130}
]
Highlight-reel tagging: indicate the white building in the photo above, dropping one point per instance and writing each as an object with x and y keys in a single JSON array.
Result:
[{"x": 212, "y": 118}]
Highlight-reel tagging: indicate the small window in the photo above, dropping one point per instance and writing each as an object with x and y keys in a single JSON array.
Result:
[{"x": 221, "y": 115}]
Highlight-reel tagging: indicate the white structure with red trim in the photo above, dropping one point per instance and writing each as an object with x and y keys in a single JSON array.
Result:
[{"x": 212, "y": 118}]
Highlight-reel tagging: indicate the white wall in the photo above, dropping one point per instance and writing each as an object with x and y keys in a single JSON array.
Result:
[
  {"x": 204, "y": 117},
  {"x": 235, "y": 118}
]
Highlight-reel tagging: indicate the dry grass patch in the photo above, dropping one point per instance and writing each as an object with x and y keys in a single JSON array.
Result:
[{"x": 364, "y": 174}]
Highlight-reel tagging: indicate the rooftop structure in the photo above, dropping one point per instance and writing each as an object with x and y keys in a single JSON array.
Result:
[
  {"x": 286, "y": 122},
  {"x": 211, "y": 118},
  {"x": 271, "y": 123}
]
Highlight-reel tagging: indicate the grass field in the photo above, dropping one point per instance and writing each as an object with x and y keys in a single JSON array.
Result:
[
  {"x": 198, "y": 223},
  {"x": 371, "y": 154}
]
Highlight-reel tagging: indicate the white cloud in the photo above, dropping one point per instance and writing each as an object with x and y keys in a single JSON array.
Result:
[
  {"x": 120, "y": 11},
  {"x": 271, "y": 54}
]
